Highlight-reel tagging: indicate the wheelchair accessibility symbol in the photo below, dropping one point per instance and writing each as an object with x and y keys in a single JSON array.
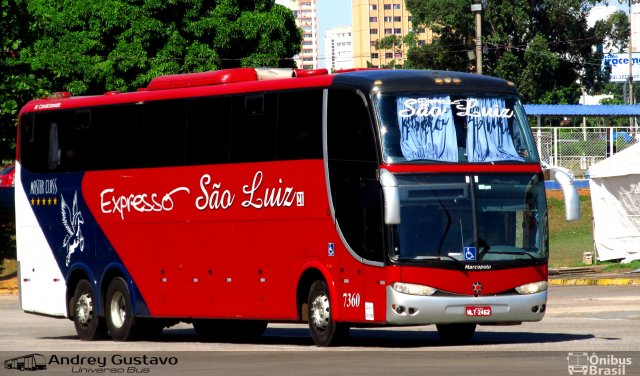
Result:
[{"x": 470, "y": 254}]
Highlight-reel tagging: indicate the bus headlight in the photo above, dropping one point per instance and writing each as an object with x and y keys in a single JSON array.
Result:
[
  {"x": 532, "y": 288},
  {"x": 412, "y": 289}
]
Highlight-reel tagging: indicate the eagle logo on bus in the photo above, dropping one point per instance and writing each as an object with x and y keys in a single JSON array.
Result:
[{"x": 71, "y": 220}]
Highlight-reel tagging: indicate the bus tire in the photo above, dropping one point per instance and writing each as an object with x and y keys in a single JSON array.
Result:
[
  {"x": 456, "y": 333},
  {"x": 118, "y": 311},
  {"x": 324, "y": 330},
  {"x": 89, "y": 325}
]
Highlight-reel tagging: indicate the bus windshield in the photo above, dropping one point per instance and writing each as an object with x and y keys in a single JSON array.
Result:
[
  {"x": 424, "y": 128},
  {"x": 493, "y": 217}
]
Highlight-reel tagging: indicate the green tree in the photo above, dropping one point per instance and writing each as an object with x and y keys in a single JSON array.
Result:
[
  {"x": 17, "y": 83},
  {"x": 89, "y": 47},
  {"x": 100, "y": 45},
  {"x": 544, "y": 46}
]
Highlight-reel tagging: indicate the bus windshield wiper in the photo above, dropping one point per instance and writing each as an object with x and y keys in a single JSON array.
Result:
[
  {"x": 509, "y": 253},
  {"x": 441, "y": 258}
]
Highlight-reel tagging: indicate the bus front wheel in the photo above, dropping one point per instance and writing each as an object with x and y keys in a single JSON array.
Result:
[
  {"x": 456, "y": 333},
  {"x": 120, "y": 320},
  {"x": 89, "y": 325},
  {"x": 324, "y": 330}
]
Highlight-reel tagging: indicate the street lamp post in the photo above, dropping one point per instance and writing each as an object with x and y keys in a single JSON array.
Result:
[
  {"x": 476, "y": 8},
  {"x": 630, "y": 56}
]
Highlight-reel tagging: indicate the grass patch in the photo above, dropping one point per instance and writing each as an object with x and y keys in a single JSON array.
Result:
[
  {"x": 8, "y": 268},
  {"x": 569, "y": 240},
  {"x": 618, "y": 267}
]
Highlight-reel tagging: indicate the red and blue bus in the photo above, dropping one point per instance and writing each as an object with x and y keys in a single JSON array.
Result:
[{"x": 236, "y": 198}]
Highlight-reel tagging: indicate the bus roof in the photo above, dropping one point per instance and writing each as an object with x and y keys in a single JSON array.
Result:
[
  {"x": 423, "y": 80},
  {"x": 248, "y": 80}
]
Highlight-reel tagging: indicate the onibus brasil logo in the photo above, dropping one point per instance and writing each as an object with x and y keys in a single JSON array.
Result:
[{"x": 583, "y": 363}]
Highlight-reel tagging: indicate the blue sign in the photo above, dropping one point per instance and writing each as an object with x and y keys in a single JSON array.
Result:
[
  {"x": 470, "y": 254},
  {"x": 331, "y": 250}
]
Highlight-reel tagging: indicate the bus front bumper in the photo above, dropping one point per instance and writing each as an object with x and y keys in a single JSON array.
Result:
[{"x": 404, "y": 309}]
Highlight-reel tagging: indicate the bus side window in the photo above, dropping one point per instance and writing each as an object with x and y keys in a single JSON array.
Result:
[
  {"x": 34, "y": 142},
  {"x": 208, "y": 122},
  {"x": 48, "y": 140},
  {"x": 117, "y": 137},
  {"x": 253, "y": 128},
  {"x": 300, "y": 125},
  {"x": 164, "y": 133}
]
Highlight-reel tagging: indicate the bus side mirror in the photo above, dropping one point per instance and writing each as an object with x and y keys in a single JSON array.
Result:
[
  {"x": 391, "y": 193},
  {"x": 570, "y": 192}
]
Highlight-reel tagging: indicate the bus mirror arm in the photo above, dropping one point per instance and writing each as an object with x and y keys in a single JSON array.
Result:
[
  {"x": 391, "y": 193},
  {"x": 570, "y": 192}
]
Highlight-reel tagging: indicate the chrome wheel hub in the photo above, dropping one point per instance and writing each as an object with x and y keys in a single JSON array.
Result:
[
  {"x": 118, "y": 309},
  {"x": 84, "y": 309},
  {"x": 321, "y": 311}
]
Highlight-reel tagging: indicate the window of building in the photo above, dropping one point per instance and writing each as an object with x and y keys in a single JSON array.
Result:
[
  {"x": 388, "y": 55},
  {"x": 397, "y": 19},
  {"x": 373, "y": 7},
  {"x": 387, "y": 6},
  {"x": 397, "y": 31},
  {"x": 397, "y": 6},
  {"x": 374, "y": 55},
  {"x": 388, "y": 19},
  {"x": 373, "y": 19},
  {"x": 387, "y": 31},
  {"x": 374, "y": 31}
]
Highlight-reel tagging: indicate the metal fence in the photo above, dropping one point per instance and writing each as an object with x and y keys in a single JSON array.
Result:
[{"x": 577, "y": 149}]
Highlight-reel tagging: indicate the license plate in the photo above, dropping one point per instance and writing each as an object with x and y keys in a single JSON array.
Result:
[{"x": 478, "y": 311}]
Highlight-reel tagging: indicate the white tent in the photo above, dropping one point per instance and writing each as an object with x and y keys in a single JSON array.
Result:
[{"x": 615, "y": 197}]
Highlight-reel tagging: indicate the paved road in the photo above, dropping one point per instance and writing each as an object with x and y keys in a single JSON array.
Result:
[{"x": 592, "y": 319}]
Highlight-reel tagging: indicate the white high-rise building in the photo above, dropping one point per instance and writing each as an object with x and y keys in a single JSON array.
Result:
[
  {"x": 306, "y": 14},
  {"x": 338, "y": 48}
]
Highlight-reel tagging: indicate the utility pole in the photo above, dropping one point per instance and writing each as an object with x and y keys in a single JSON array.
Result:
[
  {"x": 476, "y": 8},
  {"x": 630, "y": 56}
]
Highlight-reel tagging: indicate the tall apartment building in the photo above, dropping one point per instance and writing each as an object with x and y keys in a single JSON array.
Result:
[
  {"x": 338, "y": 48},
  {"x": 306, "y": 14},
  {"x": 376, "y": 19}
]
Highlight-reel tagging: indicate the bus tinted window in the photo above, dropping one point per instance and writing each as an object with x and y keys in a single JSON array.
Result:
[
  {"x": 164, "y": 133},
  {"x": 351, "y": 137},
  {"x": 120, "y": 137},
  {"x": 208, "y": 130},
  {"x": 253, "y": 131},
  {"x": 352, "y": 166},
  {"x": 300, "y": 125}
]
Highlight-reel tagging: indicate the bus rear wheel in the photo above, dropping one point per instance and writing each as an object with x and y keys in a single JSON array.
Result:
[
  {"x": 88, "y": 324},
  {"x": 456, "y": 333},
  {"x": 120, "y": 319},
  {"x": 324, "y": 330}
]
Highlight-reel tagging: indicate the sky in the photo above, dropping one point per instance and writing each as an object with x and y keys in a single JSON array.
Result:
[{"x": 331, "y": 13}]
